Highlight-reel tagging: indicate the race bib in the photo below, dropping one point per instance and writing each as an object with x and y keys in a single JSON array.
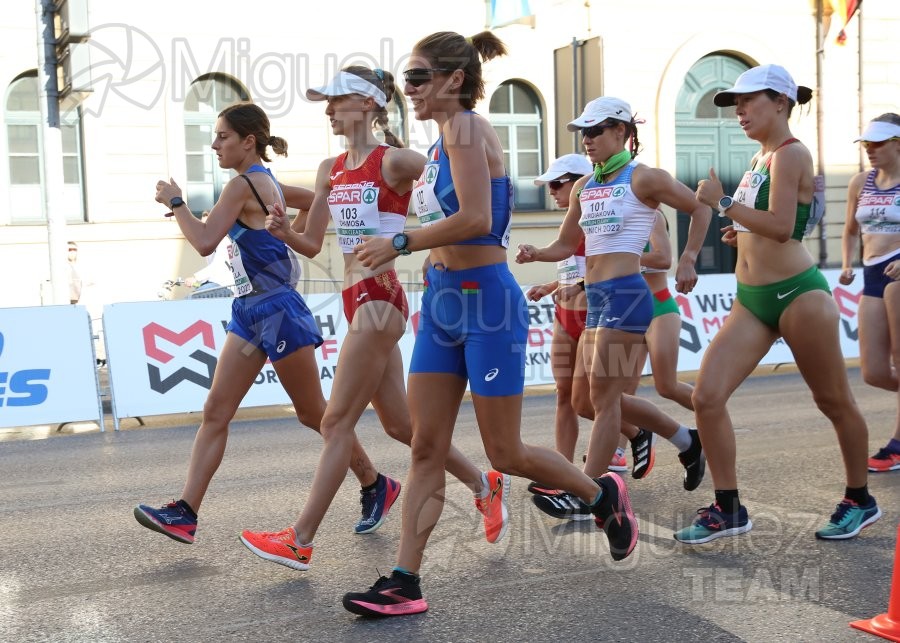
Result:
[
  {"x": 747, "y": 191},
  {"x": 570, "y": 270},
  {"x": 601, "y": 210},
  {"x": 428, "y": 208},
  {"x": 354, "y": 209},
  {"x": 242, "y": 284},
  {"x": 878, "y": 213}
]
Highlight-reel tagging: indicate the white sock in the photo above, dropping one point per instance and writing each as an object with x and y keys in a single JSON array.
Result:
[
  {"x": 681, "y": 439},
  {"x": 485, "y": 488}
]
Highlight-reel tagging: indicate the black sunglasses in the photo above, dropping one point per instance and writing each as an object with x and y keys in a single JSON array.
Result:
[
  {"x": 558, "y": 183},
  {"x": 596, "y": 130},
  {"x": 418, "y": 76}
]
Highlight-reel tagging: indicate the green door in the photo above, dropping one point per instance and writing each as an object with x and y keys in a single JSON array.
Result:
[{"x": 706, "y": 137}]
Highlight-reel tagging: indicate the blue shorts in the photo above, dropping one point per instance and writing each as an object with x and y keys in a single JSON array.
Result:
[
  {"x": 874, "y": 279},
  {"x": 474, "y": 324},
  {"x": 277, "y": 322},
  {"x": 624, "y": 303}
]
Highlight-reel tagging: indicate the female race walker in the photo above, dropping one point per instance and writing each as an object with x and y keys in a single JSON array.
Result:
[
  {"x": 366, "y": 191},
  {"x": 780, "y": 293},
  {"x": 873, "y": 210},
  {"x": 616, "y": 211},
  {"x": 474, "y": 319},
  {"x": 269, "y": 319}
]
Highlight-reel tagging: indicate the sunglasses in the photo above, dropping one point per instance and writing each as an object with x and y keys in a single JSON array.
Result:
[
  {"x": 558, "y": 183},
  {"x": 874, "y": 145},
  {"x": 596, "y": 130},
  {"x": 418, "y": 76}
]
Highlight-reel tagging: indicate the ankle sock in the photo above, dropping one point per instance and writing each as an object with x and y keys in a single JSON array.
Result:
[
  {"x": 190, "y": 512},
  {"x": 728, "y": 500},
  {"x": 371, "y": 487},
  {"x": 404, "y": 576},
  {"x": 859, "y": 495},
  {"x": 682, "y": 439}
]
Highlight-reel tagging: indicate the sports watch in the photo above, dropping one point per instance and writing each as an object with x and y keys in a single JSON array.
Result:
[
  {"x": 399, "y": 242},
  {"x": 175, "y": 202},
  {"x": 724, "y": 203}
]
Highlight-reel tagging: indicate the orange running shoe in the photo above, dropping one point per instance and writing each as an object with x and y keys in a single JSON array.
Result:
[
  {"x": 494, "y": 506},
  {"x": 279, "y": 547},
  {"x": 883, "y": 461},
  {"x": 618, "y": 463}
]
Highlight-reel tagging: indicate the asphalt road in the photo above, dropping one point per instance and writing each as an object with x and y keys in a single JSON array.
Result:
[{"x": 76, "y": 566}]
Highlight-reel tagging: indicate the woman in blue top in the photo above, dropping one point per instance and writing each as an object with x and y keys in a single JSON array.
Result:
[
  {"x": 780, "y": 293},
  {"x": 474, "y": 321},
  {"x": 269, "y": 319}
]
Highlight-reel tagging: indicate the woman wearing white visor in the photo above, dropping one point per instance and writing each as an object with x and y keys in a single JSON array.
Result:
[
  {"x": 873, "y": 211},
  {"x": 780, "y": 294}
]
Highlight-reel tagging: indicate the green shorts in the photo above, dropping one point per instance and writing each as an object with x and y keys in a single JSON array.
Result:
[
  {"x": 664, "y": 303},
  {"x": 768, "y": 302}
]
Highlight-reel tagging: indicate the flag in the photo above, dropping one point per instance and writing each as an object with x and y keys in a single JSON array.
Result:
[
  {"x": 507, "y": 12},
  {"x": 845, "y": 10}
]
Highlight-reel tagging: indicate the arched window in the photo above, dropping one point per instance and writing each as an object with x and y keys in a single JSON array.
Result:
[
  {"x": 516, "y": 116},
  {"x": 25, "y": 138},
  {"x": 207, "y": 96}
]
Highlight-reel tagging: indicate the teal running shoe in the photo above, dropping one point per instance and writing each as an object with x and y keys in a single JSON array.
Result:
[
  {"x": 849, "y": 519},
  {"x": 711, "y": 523}
]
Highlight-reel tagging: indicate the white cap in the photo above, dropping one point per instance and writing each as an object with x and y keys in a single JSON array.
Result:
[
  {"x": 566, "y": 164},
  {"x": 774, "y": 77},
  {"x": 346, "y": 83},
  {"x": 878, "y": 131},
  {"x": 598, "y": 110}
]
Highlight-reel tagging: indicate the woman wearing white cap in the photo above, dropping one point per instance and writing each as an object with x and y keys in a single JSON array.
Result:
[
  {"x": 366, "y": 192},
  {"x": 474, "y": 323},
  {"x": 616, "y": 211},
  {"x": 780, "y": 293},
  {"x": 873, "y": 210}
]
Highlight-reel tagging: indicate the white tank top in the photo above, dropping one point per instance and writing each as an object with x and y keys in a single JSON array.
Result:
[{"x": 878, "y": 211}]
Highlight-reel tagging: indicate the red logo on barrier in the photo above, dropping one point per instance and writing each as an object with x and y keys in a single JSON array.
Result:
[
  {"x": 206, "y": 361},
  {"x": 842, "y": 297},
  {"x": 153, "y": 330}
]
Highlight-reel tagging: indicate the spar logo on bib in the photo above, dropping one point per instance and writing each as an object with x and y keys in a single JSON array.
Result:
[
  {"x": 431, "y": 174},
  {"x": 619, "y": 191},
  {"x": 897, "y": 201},
  {"x": 756, "y": 180},
  {"x": 368, "y": 195}
]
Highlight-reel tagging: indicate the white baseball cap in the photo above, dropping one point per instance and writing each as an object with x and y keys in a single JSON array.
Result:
[
  {"x": 566, "y": 164},
  {"x": 878, "y": 131},
  {"x": 774, "y": 77},
  {"x": 346, "y": 83},
  {"x": 598, "y": 110}
]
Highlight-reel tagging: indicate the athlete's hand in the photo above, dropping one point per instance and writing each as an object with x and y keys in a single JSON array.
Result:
[
  {"x": 685, "y": 276},
  {"x": 847, "y": 276},
  {"x": 893, "y": 270},
  {"x": 536, "y": 293},
  {"x": 526, "y": 254},
  {"x": 165, "y": 192},
  {"x": 729, "y": 236},
  {"x": 375, "y": 251},
  {"x": 709, "y": 191},
  {"x": 277, "y": 222},
  {"x": 567, "y": 293}
]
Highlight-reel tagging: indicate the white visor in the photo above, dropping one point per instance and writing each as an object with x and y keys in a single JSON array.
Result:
[
  {"x": 878, "y": 131},
  {"x": 345, "y": 83}
]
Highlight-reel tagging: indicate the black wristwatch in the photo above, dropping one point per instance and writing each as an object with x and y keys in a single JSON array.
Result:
[
  {"x": 399, "y": 242},
  {"x": 175, "y": 202}
]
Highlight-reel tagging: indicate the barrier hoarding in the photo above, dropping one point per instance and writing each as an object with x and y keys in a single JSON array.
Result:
[{"x": 48, "y": 372}]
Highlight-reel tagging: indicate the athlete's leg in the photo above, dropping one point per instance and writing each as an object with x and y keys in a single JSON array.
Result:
[
  {"x": 892, "y": 305},
  {"x": 581, "y": 384},
  {"x": 734, "y": 352},
  {"x": 663, "y": 341},
  {"x": 809, "y": 325},
  {"x": 237, "y": 367},
  {"x": 373, "y": 334},
  {"x": 563, "y": 355}
]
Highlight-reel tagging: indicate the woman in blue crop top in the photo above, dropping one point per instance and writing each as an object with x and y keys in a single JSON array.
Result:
[
  {"x": 780, "y": 293},
  {"x": 269, "y": 320},
  {"x": 474, "y": 322},
  {"x": 873, "y": 214}
]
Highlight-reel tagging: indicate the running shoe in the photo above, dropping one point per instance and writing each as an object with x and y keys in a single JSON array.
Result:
[
  {"x": 563, "y": 505},
  {"x": 711, "y": 523},
  {"x": 394, "y": 596},
  {"x": 539, "y": 489},
  {"x": 694, "y": 462},
  {"x": 376, "y": 504},
  {"x": 883, "y": 461},
  {"x": 494, "y": 506},
  {"x": 175, "y": 520},
  {"x": 618, "y": 463},
  {"x": 849, "y": 519},
  {"x": 614, "y": 516},
  {"x": 280, "y": 547},
  {"x": 643, "y": 454}
]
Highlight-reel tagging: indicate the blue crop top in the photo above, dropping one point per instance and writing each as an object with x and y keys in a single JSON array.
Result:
[{"x": 260, "y": 262}]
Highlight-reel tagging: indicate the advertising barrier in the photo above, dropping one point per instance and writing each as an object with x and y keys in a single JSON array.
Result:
[{"x": 48, "y": 372}]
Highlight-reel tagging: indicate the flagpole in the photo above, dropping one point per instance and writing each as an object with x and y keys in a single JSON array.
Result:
[
  {"x": 820, "y": 118},
  {"x": 859, "y": 75}
]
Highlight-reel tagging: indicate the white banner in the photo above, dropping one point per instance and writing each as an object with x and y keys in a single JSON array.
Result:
[{"x": 48, "y": 373}]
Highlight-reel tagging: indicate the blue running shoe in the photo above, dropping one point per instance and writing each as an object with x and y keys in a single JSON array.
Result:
[
  {"x": 849, "y": 519},
  {"x": 376, "y": 504},
  {"x": 176, "y": 520},
  {"x": 711, "y": 523}
]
